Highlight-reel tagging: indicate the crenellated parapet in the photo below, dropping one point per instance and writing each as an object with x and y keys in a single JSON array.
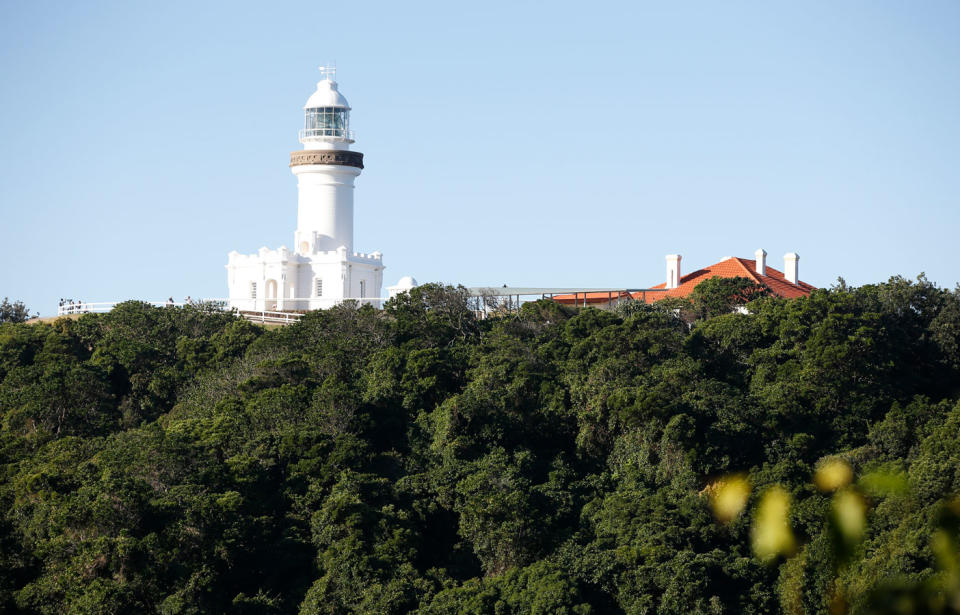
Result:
[
  {"x": 283, "y": 255},
  {"x": 263, "y": 255}
]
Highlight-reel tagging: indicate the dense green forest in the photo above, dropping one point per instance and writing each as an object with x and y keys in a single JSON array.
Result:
[{"x": 417, "y": 459}]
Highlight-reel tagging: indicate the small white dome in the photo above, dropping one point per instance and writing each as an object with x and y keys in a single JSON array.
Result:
[
  {"x": 406, "y": 284},
  {"x": 327, "y": 95}
]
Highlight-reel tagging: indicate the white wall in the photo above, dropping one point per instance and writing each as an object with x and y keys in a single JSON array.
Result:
[
  {"x": 341, "y": 274},
  {"x": 325, "y": 206}
]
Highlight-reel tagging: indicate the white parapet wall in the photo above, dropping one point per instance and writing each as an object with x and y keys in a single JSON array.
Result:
[{"x": 282, "y": 280}]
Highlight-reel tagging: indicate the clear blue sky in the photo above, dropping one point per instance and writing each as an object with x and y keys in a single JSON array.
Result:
[{"x": 526, "y": 143}]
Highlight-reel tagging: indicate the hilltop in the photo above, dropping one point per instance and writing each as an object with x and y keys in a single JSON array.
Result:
[{"x": 418, "y": 459}]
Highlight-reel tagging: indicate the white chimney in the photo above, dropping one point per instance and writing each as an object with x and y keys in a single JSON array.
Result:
[
  {"x": 790, "y": 268},
  {"x": 673, "y": 270},
  {"x": 761, "y": 256}
]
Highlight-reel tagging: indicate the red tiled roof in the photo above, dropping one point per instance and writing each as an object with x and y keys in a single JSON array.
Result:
[
  {"x": 739, "y": 268},
  {"x": 600, "y": 297},
  {"x": 729, "y": 268}
]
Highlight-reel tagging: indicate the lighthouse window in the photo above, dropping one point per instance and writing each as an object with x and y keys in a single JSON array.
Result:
[
  {"x": 319, "y": 287},
  {"x": 363, "y": 289},
  {"x": 253, "y": 290},
  {"x": 327, "y": 122}
]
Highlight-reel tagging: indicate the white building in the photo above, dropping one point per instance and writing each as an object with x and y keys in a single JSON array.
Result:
[{"x": 323, "y": 269}]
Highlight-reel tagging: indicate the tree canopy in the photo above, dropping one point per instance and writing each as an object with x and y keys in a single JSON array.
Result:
[
  {"x": 417, "y": 459},
  {"x": 13, "y": 312}
]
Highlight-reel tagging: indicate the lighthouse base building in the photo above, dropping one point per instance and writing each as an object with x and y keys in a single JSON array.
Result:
[
  {"x": 322, "y": 269},
  {"x": 282, "y": 280}
]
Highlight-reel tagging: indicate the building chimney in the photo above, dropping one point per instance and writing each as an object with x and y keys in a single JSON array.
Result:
[
  {"x": 761, "y": 256},
  {"x": 673, "y": 270},
  {"x": 790, "y": 268}
]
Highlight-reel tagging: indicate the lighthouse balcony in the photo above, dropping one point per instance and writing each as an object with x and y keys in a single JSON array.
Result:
[{"x": 326, "y": 133}]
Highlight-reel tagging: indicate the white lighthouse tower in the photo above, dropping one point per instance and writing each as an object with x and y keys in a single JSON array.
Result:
[
  {"x": 325, "y": 171},
  {"x": 323, "y": 268}
]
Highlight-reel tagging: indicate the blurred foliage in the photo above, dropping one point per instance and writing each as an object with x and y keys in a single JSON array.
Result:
[
  {"x": 832, "y": 474},
  {"x": 772, "y": 535},
  {"x": 418, "y": 459},
  {"x": 728, "y": 496}
]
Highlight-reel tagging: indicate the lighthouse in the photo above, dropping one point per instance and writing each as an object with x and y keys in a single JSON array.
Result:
[
  {"x": 325, "y": 170},
  {"x": 322, "y": 269}
]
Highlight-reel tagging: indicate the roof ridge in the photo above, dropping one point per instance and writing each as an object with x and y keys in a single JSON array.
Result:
[
  {"x": 753, "y": 275},
  {"x": 783, "y": 279}
]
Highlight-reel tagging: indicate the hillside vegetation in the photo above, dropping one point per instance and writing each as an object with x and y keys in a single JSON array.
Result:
[{"x": 417, "y": 459}]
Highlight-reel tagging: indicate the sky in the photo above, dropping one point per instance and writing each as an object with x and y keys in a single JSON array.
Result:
[{"x": 521, "y": 143}]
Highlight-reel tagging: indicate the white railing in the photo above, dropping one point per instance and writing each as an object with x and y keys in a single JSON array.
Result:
[
  {"x": 261, "y": 316},
  {"x": 252, "y": 314},
  {"x": 326, "y": 133},
  {"x": 298, "y": 304},
  {"x": 89, "y": 307},
  {"x": 265, "y": 317}
]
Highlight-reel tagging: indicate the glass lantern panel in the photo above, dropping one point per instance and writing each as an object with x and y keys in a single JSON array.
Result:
[{"x": 327, "y": 122}]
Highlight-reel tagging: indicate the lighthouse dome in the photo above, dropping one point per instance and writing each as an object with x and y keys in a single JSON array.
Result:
[
  {"x": 326, "y": 119},
  {"x": 327, "y": 95}
]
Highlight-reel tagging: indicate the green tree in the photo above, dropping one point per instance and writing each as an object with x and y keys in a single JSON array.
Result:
[
  {"x": 716, "y": 296},
  {"x": 418, "y": 459},
  {"x": 13, "y": 312}
]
